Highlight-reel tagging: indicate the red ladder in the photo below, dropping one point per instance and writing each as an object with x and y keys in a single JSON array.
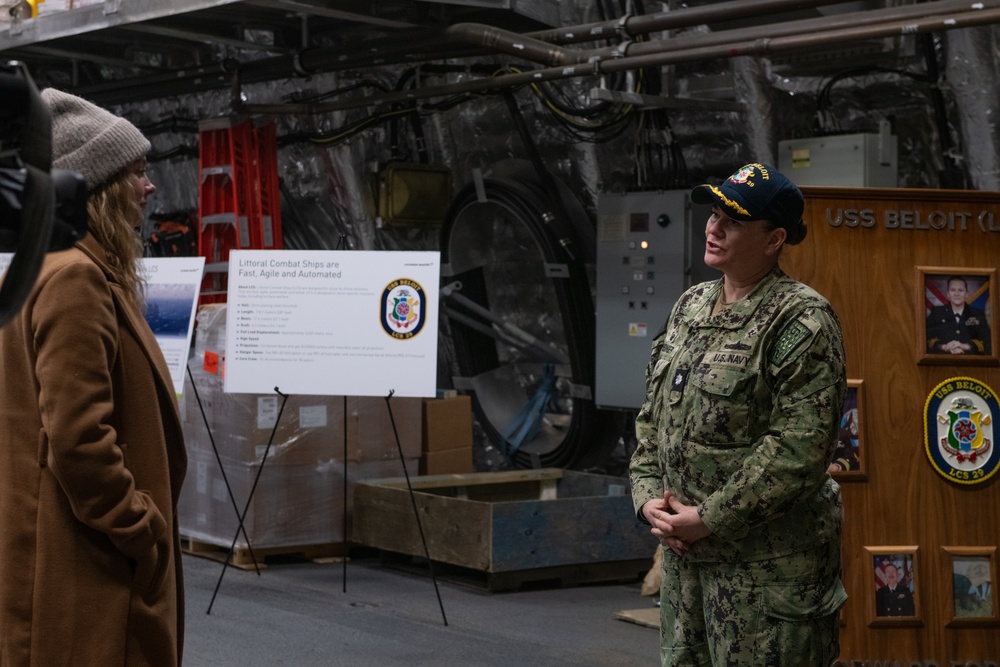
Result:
[
  {"x": 238, "y": 199},
  {"x": 270, "y": 195}
]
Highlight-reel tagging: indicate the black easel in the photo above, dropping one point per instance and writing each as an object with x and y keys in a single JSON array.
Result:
[
  {"x": 342, "y": 244},
  {"x": 413, "y": 501},
  {"x": 346, "y": 541},
  {"x": 222, "y": 469},
  {"x": 241, "y": 516}
]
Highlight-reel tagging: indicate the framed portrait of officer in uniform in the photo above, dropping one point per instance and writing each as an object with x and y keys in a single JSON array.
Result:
[
  {"x": 893, "y": 597},
  {"x": 849, "y": 458},
  {"x": 955, "y": 307},
  {"x": 972, "y": 571}
]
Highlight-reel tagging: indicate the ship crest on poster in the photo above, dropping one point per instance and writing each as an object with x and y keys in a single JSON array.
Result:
[{"x": 403, "y": 308}]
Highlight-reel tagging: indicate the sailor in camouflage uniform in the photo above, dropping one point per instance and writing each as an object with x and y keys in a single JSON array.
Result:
[{"x": 745, "y": 387}]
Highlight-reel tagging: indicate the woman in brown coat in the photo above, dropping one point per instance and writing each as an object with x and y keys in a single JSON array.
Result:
[{"x": 91, "y": 451}]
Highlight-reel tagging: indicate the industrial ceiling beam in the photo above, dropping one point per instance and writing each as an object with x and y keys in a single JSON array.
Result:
[
  {"x": 202, "y": 38},
  {"x": 294, "y": 6}
]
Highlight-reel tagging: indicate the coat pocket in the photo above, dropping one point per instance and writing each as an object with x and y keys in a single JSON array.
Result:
[
  {"x": 43, "y": 448},
  {"x": 151, "y": 569}
]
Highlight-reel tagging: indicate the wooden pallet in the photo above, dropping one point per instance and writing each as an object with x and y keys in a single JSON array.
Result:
[
  {"x": 243, "y": 557},
  {"x": 562, "y": 576}
]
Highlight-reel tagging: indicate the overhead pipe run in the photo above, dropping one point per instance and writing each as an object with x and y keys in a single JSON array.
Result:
[
  {"x": 542, "y": 53},
  {"x": 766, "y": 46},
  {"x": 415, "y": 47},
  {"x": 538, "y": 47},
  {"x": 932, "y": 21},
  {"x": 644, "y": 24},
  {"x": 773, "y": 30},
  {"x": 561, "y": 62}
]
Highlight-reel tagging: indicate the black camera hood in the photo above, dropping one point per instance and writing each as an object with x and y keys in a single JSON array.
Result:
[{"x": 29, "y": 200}]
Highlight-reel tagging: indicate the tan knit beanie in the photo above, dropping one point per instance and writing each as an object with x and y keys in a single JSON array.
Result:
[{"x": 91, "y": 140}]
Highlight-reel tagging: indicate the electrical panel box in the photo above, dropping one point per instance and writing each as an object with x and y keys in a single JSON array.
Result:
[
  {"x": 648, "y": 253},
  {"x": 844, "y": 160}
]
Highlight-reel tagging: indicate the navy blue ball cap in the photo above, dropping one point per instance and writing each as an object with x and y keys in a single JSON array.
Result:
[{"x": 757, "y": 192}]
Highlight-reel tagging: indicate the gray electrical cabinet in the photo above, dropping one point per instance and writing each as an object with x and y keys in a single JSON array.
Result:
[
  {"x": 844, "y": 160},
  {"x": 650, "y": 248}
]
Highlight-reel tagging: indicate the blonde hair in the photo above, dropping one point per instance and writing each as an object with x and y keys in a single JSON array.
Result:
[{"x": 113, "y": 216}]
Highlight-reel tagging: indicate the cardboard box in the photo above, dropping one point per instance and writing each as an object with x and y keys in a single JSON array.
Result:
[
  {"x": 446, "y": 462},
  {"x": 310, "y": 429},
  {"x": 447, "y": 423}
]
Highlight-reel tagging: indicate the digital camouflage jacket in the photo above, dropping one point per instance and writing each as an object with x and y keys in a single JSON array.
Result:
[{"x": 740, "y": 419}]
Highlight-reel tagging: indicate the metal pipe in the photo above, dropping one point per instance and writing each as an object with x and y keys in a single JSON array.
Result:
[
  {"x": 763, "y": 46},
  {"x": 633, "y": 26},
  {"x": 773, "y": 30},
  {"x": 766, "y": 46},
  {"x": 511, "y": 43}
]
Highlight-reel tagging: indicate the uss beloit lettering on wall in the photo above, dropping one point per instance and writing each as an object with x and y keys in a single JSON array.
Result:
[
  {"x": 984, "y": 220},
  {"x": 958, "y": 430}
]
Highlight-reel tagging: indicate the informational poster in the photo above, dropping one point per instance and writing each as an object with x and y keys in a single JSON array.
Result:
[
  {"x": 172, "y": 287},
  {"x": 321, "y": 322}
]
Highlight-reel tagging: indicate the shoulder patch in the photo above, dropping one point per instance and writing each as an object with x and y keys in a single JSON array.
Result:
[{"x": 794, "y": 333}]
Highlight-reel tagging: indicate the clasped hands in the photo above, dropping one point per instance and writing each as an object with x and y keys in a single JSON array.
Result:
[
  {"x": 955, "y": 347},
  {"x": 677, "y": 525}
]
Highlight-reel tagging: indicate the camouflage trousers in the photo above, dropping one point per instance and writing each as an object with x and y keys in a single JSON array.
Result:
[{"x": 779, "y": 612}]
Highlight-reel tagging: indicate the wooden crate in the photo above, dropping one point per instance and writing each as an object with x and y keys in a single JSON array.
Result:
[{"x": 528, "y": 521}]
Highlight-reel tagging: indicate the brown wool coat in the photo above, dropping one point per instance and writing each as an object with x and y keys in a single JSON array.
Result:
[{"x": 91, "y": 463}]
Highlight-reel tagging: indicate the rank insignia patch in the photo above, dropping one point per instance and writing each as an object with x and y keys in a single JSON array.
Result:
[{"x": 958, "y": 430}]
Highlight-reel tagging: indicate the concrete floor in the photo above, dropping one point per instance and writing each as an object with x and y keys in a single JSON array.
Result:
[{"x": 298, "y": 614}]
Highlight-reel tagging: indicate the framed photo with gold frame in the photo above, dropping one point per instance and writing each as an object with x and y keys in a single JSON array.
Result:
[
  {"x": 849, "y": 457},
  {"x": 973, "y": 599},
  {"x": 894, "y": 592},
  {"x": 955, "y": 307}
]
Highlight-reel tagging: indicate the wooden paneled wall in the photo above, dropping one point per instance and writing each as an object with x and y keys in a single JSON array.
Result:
[{"x": 862, "y": 252}]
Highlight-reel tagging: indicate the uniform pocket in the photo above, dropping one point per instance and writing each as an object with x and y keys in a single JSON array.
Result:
[
  {"x": 657, "y": 370},
  {"x": 801, "y": 625},
  {"x": 721, "y": 397},
  {"x": 798, "y": 603}
]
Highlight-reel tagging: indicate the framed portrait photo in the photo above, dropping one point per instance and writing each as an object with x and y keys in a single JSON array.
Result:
[
  {"x": 894, "y": 592},
  {"x": 955, "y": 315},
  {"x": 849, "y": 457},
  {"x": 973, "y": 599}
]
